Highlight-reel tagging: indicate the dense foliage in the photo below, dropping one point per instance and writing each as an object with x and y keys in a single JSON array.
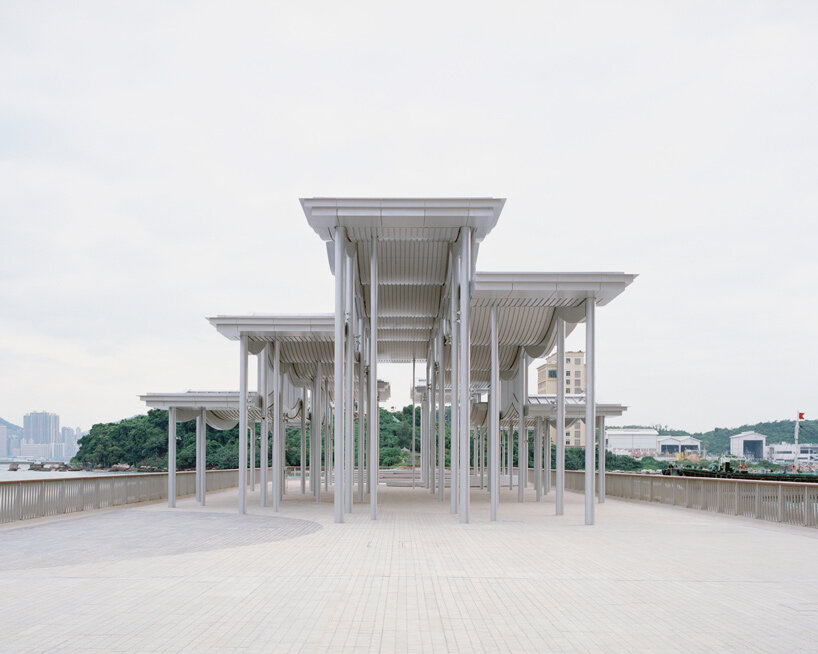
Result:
[{"x": 143, "y": 441}]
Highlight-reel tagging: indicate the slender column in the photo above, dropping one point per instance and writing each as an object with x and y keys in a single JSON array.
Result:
[
  {"x": 303, "y": 441},
  {"x": 547, "y": 466},
  {"x": 414, "y": 417},
  {"x": 441, "y": 419},
  {"x": 522, "y": 431},
  {"x": 464, "y": 359},
  {"x": 315, "y": 435},
  {"x": 590, "y": 410},
  {"x": 361, "y": 403},
  {"x": 283, "y": 455},
  {"x": 252, "y": 425},
  {"x": 264, "y": 446},
  {"x": 433, "y": 425},
  {"x": 481, "y": 457},
  {"x": 368, "y": 413},
  {"x": 349, "y": 398},
  {"x": 600, "y": 423},
  {"x": 277, "y": 481},
  {"x": 243, "y": 424},
  {"x": 325, "y": 415},
  {"x": 560, "y": 426},
  {"x": 538, "y": 458},
  {"x": 454, "y": 458},
  {"x": 374, "y": 407},
  {"x": 199, "y": 459},
  {"x": 510, "y": 456},
  {"x": 251, "y": 433},
  {"x": 204, "y": 458},
  {"x": 338, "y": 428},
  {"x": 171, "y": 457},
  {"x": 424, "y": 445}
]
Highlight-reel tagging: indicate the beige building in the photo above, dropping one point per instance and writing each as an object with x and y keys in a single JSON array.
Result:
[{"x": 574, "y": 385}]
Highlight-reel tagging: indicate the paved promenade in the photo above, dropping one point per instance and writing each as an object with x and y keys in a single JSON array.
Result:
[{"x": 646, "y": 578}]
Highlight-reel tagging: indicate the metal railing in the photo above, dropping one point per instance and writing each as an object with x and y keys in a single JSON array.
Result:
[
  {"x": 792, "y": 503},
  {"x": 38, "y": 498}
]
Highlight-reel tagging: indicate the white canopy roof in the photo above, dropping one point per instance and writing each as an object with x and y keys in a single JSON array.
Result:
[
  {"x": 544, "y": 406},
  {"x": 221, "y": 407}
]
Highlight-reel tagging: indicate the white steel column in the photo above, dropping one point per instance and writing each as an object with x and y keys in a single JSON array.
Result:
[
  {"x": 482, "y": 458},
  {"x": 264, "y": 445},
  {"x": 349, "y": 370},
  {"x": 325, "y": 416},
  {"x": 441, "y": 420},
  {"x": 433, "y": 423},
  {"x": 276, "y": 425},
  {"x": 374, "y": 407},
  {"x": 510, "y": 455},
  {"x": 199, "y": 458},
  {"x": 454, "y": 393},
  {"x": 243, "y": 424},
  {"x": 414, "y": 417},
  {"x": 367, "y": 410},
  {"x": 547, "y": 445},
  {"x": 590, "y": 410},
  {"x": 600, "y": 424},
  {"x": 303, "y": 441},
  {"x": 283, "y": 456},
  {"x": 361, "y": 404},
  {"x": 424, "y": 445},
  {"x": 560, "y": 426},
  {"x": 251, "y": 433},
  {"x": 538, "y": 458},
  {"x": 338, "y": 427},
  {"x": 172, "y": 457},
  {"x": 464, "y": 359},
  {"x": 522, "y": 431},
  {"x": 315, "y": 435},
  {"x": 204, "y": 458},
  {"x": 252, "y": 425}
]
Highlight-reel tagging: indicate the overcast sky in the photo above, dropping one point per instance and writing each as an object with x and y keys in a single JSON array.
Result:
[{"x": 152, "y": 157}]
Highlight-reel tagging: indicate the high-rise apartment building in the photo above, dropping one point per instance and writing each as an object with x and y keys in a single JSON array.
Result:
[
  {"x": 41, "y": 427},
  {"x": 574, "y": 385}
]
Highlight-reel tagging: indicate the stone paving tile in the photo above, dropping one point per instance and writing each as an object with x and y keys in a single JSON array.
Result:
[
  {"x": 644, "y": 579},
  {"x": 135, "y": 532}
]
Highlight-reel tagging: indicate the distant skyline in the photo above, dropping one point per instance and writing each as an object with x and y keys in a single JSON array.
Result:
[{"x": 152, "y": 157}]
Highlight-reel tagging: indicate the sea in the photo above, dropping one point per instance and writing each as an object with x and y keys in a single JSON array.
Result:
[{"x": 25, "y": 473}]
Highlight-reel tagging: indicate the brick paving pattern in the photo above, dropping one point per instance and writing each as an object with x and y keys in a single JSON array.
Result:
[{"x": 646, "y": 578}]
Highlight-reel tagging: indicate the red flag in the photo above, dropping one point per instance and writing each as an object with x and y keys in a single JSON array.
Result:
[{"x": 801, "y": 415}]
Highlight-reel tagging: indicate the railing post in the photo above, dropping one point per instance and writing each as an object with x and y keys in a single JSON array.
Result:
[
  {"x": 806, "y": 505},
  {"x": 758, "y": 500},
  {"x": 96, "y": 494},
  {"x": 737, "y": 484},
  {"x": 780, "y": 503}
]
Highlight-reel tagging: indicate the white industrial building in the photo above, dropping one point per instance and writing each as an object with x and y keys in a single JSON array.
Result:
[
  {"x": 784, "y": 453},
  {"x": 648, "y": 442},
  {"x": 748, "y": 445}
]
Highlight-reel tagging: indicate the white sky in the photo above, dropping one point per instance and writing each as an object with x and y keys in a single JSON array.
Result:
[{"x": 152, "y": 157}]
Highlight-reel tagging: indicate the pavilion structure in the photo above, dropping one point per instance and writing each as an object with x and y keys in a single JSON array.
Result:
[{"x": 407, "y": 290}]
